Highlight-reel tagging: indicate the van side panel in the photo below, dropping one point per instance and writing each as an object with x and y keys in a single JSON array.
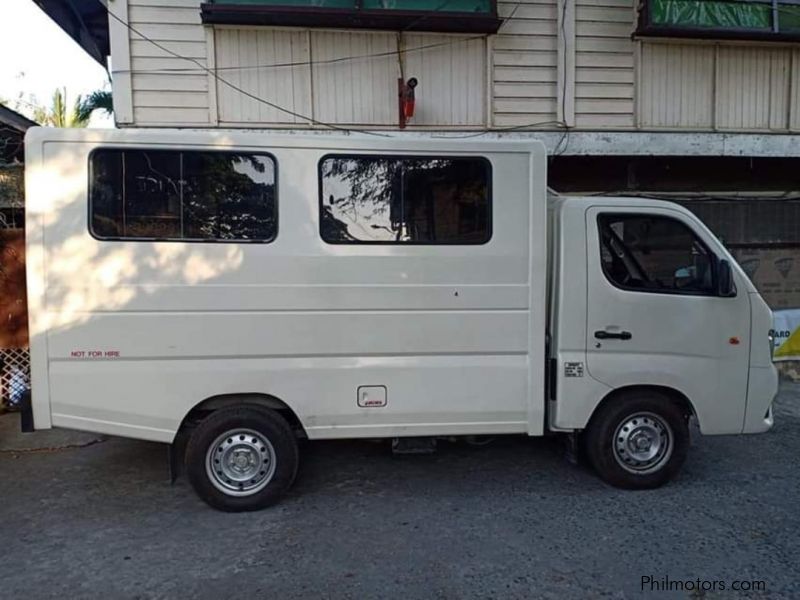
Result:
[{"x": 136, "y": 333}]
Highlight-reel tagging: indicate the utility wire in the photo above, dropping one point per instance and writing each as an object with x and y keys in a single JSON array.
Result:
[
  {"x": 565, "y": 136},
  {"x": 306, "y": 63},
  {"x": 452, "y": 42},
  {"x": 510, "y": 17},
  {"x": 205, "y": 69},
  {"x": 455, "y": 41},
  {"x": 240, "y": 90},
  {"x": 558, "y": 124}
]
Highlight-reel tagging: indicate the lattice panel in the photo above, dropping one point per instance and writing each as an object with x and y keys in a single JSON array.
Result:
[{"x": 15, "y": 375}]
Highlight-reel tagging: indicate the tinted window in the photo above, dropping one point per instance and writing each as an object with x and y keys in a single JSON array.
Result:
[
  {"x": 396, "y": 200},
  {"x": 172, "y": 195},
  {"x": 652, "y": 253}
]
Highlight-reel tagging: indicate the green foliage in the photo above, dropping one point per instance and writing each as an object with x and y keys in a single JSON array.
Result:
[
  {"x": 100, "y": 100},
  {"x": 58, "y": 114}
]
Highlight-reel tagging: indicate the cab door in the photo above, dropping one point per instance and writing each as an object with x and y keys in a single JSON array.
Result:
[{"x": 654, "y": 316}]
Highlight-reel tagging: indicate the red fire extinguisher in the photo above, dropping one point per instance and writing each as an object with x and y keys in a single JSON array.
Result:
[{"x": 406, "y": 99}]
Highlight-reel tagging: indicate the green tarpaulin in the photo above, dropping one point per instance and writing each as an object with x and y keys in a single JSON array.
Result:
[
  {"x": 732, "y": 14},
  {"x": 715, "y": 15}
]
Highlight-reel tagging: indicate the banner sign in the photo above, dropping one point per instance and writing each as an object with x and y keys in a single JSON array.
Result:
[{"x": 786, "y": 332}]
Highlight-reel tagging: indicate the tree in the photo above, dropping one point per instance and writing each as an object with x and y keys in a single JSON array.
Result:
[
  {"x": 411, "y": 199},
  {"x": 57, "y": 114},
  {"x": 99, "y": 100}
]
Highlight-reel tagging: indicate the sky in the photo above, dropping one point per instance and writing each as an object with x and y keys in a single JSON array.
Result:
[{"x": 38, "y": 57}]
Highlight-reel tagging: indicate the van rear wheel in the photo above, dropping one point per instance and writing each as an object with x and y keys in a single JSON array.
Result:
[
  {"x": 242, "y": 458},
  {"x": 638, "y": 441}
]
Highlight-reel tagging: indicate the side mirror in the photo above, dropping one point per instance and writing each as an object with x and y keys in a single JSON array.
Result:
[{"x": 725, "y": 287}]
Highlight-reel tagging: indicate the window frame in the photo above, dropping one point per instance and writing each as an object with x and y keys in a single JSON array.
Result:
[
  {"x": 346, "y": 156},
  {"x": 674, "y": 292},
  {"x": 646, "y": 29},
  {"x": 231, "y": 13},
  {"x": 100, "y": 238}
]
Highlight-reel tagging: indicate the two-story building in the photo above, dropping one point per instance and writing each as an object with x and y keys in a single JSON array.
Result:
[{"x": 696, "y": 100}]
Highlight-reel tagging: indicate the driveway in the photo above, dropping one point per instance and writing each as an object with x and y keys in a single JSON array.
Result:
[{"x": 509, "y": 520}]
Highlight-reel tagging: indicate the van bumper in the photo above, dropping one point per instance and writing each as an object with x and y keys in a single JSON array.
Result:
[
  {"x": 26, "y": 412},
  {"x": 761, "y": 391}
]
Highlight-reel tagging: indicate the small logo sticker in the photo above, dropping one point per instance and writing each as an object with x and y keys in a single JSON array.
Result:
[
  {"x": 372, "y": 396},
  {"x": 573, "y": 369}
]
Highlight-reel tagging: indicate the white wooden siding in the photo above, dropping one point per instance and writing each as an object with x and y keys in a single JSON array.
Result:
[
  {"x": 524, "y": 65},
  {"x": 246, "y": 60},
  {"x": 552, "y": 62},
  {"x": 356, "y": 91},
  {"x": 335, "y": 88},
  {"x": 676, "y": 85},
  {"x": 452, "y": 78},
  {"x": 120, "y": 39},
  {"x": 719, "y": 86},
  {"x": 752, "y": 88},
  {"x": 167, "y": 90},
  {"x": 604, "y": 64}
]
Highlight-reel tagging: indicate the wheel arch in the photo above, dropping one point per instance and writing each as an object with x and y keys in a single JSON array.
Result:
[
  {"x": 618, "y": 395},
  {"x": 213, "y": 403}
]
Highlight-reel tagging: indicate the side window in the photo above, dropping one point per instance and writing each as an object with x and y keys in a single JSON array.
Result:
[
  {"x": 654, "y": 254},
  {"x": 140, "y": 194},
  {"x": 405, "y": 200}
]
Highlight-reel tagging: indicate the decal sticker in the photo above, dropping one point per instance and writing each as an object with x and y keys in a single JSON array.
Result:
[
  {"x": 94, "y": 354},
  {"x": 573, "y": 369},
  {"x": 372, "y": 396}
]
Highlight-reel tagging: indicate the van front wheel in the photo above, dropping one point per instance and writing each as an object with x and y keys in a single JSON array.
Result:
[
  {"x": 242, "y": 458},
  {"x": 638, "y": 441}
]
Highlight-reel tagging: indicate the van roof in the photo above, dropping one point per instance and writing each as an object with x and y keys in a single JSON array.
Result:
[{"x": 242, "y": 138}]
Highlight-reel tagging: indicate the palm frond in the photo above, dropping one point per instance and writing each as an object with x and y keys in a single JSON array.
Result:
[{"x": 98, "y": 100}]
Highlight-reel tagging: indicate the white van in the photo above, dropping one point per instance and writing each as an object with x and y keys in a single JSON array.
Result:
[{"x": 246, "y": 289}]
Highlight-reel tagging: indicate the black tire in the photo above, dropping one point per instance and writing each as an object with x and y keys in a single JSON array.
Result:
[
  {"x": 659, "y": 417},
  {"x": 264, "y": 424}
]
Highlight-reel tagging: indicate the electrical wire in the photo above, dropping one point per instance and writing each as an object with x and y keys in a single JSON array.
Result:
[
  {"x": 241, "y": 90},
  {"x": 399, "y": 38},
  {"x": 422, "y": 17},
  {"x": 352, "y": 57},
  {"x": 454, "y": 41},
  {"x": 217, "y": 77},
  {"x": 510, "y": 17},
  {"x": 559, "y": 124},
  {"x": 305, "y": 63},
  {"x": 565, "y": 136}
]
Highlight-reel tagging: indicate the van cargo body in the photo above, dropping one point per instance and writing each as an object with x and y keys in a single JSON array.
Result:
[{"x": 242, "y": 289}]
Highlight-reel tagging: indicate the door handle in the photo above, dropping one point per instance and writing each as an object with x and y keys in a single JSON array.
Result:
[{"x": 613, "y": 335}]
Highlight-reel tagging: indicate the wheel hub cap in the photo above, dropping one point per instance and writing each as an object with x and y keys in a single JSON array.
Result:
[
  {"x": 240, "y": 462},
  {"x": 643, "y": 443}
]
